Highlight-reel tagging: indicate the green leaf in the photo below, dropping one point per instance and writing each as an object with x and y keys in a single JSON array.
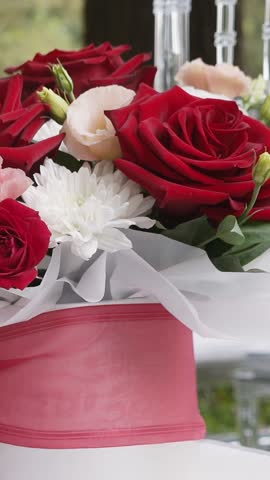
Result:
[
  {"x": 257, "y": 232},
  {"x": 229, "y": 263},
  {"x": 257, "y": 241},
  {"x": 192, "y": 232},
  {"x": 251, "y": 252},
  {"x": 68, "y": 161},
  {"x": 229, "y": 231}
]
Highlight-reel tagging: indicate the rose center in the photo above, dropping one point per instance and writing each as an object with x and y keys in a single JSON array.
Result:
[{"x": 9, "y": 244}]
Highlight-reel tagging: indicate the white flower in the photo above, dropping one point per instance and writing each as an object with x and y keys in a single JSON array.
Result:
[
  {"x": 90, "y": 135},
  {"x": 48, "y": 130},
  {"x": 88, "y": 208}
]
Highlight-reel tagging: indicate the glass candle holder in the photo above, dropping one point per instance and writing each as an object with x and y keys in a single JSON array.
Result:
[
  {"x": 225, "y": 36},
  {"x": 172, "y": 21}
]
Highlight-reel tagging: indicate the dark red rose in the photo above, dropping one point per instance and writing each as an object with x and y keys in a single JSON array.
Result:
[
  {"x": 193, "y": 155},
  {"x": 18, "y": 126},
  {"x": 24, "y": 241},
  {"x": 92, "y": 66}
]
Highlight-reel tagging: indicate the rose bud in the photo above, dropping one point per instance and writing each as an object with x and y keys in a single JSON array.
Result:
[
  {"x": 262, "y": 169},
  {"x": 58, "y": 106}
]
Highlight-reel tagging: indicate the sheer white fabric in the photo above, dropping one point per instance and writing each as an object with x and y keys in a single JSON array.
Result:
[{"x": 180, "y": 277}]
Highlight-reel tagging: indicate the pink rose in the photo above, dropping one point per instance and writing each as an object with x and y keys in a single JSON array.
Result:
[
  {"x": 222, "y": 79},
  {"x": 13, "y": 182}
]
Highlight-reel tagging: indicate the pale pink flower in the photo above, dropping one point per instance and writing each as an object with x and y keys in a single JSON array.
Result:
[
  {"x": 13, "y": 182},
  {"x": 90, "y": 135},
  {"x": 222, "y": 79}
]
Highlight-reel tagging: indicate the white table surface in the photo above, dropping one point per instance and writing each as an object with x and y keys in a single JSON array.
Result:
[{"x": 203, "y": 460}]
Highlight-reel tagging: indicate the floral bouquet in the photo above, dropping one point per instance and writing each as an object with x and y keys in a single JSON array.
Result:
[
  {"x": 123, "y": 212},
  {"x": 93, "y": 170}
]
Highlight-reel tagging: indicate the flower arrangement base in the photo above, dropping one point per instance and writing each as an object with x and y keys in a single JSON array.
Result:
[{"x": 98, "y": 376}]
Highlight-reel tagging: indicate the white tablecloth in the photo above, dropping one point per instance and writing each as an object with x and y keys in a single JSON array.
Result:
[
  {"x": 202, "y": 460},
  {"x": 211, "y": 351}
]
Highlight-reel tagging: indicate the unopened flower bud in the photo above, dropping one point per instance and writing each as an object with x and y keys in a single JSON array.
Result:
[
  {"x": 63, "y": 79},
  {"x": 262, "y": 169},
  {"x": 58, "y": 106},
  {"x": 265, "y": 110}
]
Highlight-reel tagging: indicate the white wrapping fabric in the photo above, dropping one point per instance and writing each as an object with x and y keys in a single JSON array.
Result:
[{"x": 182, "y": 278}]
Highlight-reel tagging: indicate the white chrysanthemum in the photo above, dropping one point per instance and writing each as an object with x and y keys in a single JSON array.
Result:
[{"x": 88, "y": 208}]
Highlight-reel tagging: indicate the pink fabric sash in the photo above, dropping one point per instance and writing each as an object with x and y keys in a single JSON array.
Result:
[{"x": 98, "y": 376}]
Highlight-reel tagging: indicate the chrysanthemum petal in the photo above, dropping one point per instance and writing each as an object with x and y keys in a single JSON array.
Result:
[{"x": 88, "y": 208}]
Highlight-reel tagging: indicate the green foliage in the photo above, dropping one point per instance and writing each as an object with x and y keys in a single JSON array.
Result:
[
  {"x": 193, "y": 232},
  {"x": 32, "y": 26},
  {"x": 230, "y": 247},
  {"x": 257, "y": 241},
  {"x": 229, "y": 231},
  {"x": 251, "y": 43},
  {"x": 217, "y": 407},
  {"x": 68, "y": 161},
  {"x": 227, "y": 264}
]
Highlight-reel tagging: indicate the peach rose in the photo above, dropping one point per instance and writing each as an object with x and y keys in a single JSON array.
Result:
[
  {"x": 13, "y": 182},
  {"x": 90, "y": 135},
  {"x": 222, "y": 79}
]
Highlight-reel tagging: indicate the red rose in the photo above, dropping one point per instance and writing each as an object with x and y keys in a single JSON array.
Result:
[
  {"x": 18, "y": 126},
  {"x": 193, "y": 155},
  {"x": 24, "y": 241},
  {"x": 92, "y": 66}
]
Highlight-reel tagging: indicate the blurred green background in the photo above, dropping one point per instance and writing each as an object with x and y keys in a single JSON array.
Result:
[
  {"x": 252, "y": 13},
  {"x": 30, "y": 26}
]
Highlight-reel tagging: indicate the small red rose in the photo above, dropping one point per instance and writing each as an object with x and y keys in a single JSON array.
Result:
[
  {"x": 24, "y": 241},
  {"x": 92, "y": 66}
]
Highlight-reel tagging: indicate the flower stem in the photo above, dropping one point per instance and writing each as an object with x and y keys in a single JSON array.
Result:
[
  {"x": 243, "y": 218},
  {"x": 71, "y": 97},
  {"x": 253, "y": 200},
  {"x": 209, "y": 240}
]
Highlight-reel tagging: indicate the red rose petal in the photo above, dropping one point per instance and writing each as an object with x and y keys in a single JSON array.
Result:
[
  {"x": 14, "y": 131},
  {"x": 179, "y": 200},
  {"x": 25, "y": 157},
  {"x": 12, "y": 100}
]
